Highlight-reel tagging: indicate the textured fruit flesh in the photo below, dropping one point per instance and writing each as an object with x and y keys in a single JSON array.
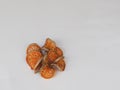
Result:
[
  {"x": 33, "y": 47},
  {"x": 32, "y": 58},
  {"x": 59, "y": 51},
  {"x": 49, "y": 44},
  {"x": 60, "y": 65},
  {"x": 52, "y": 56},
  {"x": 47, "y": 72}
]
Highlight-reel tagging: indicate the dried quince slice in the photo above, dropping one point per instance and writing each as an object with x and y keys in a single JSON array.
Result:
[
  {"x": 49, "y": 44},
  {"x": 38, "y": 67},
  {"x": 33, "y": 58},
  {"x": 33, "y": 47},
  {"x": 59, "y": 58},
  {"x": 47, "y": 72},
  {"x": 52, "y": 56},
  {"x": 59, "y": 51},
  {"x": 60, "y": 65}
]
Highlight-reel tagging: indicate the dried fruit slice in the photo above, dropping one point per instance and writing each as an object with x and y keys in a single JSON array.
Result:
[
  {"x": 59, "y": 51},
  {"x": 52, "y": 56},
  {"x": 60, "y": 65},
  {"x": 47, "y": 72},
  {"x": 59, "y": 58},
  {"x": 33, "y": 47},
  {"x": 45, "y": 60},
  {"x": 49, "y": 44},
  {"x": 37, "y": 69},
  {"x": 38, "y": 63},
  {"x": 33, "y": 58}
]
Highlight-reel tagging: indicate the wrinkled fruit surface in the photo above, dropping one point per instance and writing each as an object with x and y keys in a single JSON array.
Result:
[
  {"x": 47, "y": 72},
  {"x": 60, "y": 65},
  {"x": 32, "y": 58},
  {"x": 33, "y": 47},
  {"x": 45, "y": 60}
]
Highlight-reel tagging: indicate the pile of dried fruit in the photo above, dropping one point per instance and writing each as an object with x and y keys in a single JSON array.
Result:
[{"x": 46, "y": 59}]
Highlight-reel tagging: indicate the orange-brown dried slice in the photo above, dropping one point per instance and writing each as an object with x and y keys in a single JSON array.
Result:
[
  {"x": 45, "y": 60},
  {"x": 59, "y": 58},
  {"x": 59, "y": 51},
  {"x": 47, "y": 72},
  {"x": 33, "y": 58},
  {"x": 33, "y": 47},
  {"x": 52, "y": 56},
  {"x": 49, "y": 44},
  {"x": 37, "y": 69},
  {"x": 60, "y": 65}
]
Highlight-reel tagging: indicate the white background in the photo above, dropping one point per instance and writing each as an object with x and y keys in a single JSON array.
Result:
[{"x": 88, "y": 31}]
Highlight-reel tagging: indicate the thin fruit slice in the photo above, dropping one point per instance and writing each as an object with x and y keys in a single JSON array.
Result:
[
  {"x": 42, "y": 63},
  {"x": 38, "y": 62},
  {"x": 47, "y": 72},
  {"x": 37, "y": 69},
  {"x": 45, "y": 60},
  {"x": 59, "y": 58},
  {"x": 60, "y": 65},
  {"x": 32, "y": 58},
  {"x": 49, "y": 44},
  {"x": 33, "y": 47},
  {"x": 59, "y": 51},
  {"x": 52, "y": 56}
]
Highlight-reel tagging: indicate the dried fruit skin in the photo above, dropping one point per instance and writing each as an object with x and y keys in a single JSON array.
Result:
[
  {"x": 32, "y": 58},
  {"x": 47, "y": 72},
  {"x": 60, "y": 65},
  {"x": 37, "y": 69},
  {"x": 49, "y": 44},
  {"x": 33, "y": 47}
]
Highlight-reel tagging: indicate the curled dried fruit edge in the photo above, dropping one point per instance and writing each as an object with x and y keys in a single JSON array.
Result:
[{"x": 60, "y": 65}]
